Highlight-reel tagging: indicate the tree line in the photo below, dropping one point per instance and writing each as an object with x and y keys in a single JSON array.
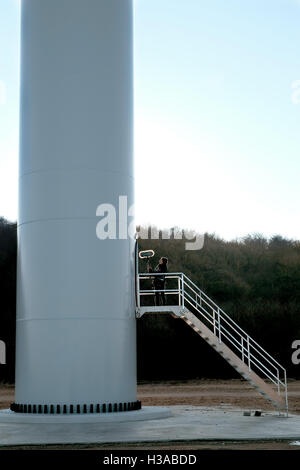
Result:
[
  {"x": 254, "y": 279},
  {"x": 8, "y": 257}
]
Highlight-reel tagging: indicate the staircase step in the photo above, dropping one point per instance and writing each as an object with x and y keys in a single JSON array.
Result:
[{"x": 236, "y": 362}]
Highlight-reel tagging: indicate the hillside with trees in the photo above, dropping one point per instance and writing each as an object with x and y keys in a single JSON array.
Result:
[
  {"x": 8, "y": 256},
  {"x": 255, "y": 280}
]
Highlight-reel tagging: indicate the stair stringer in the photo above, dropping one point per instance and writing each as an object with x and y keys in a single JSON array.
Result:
[{"x": 257, "y": 382}]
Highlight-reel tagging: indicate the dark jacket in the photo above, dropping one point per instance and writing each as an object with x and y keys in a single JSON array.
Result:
[{"x": 160, "y": 268}]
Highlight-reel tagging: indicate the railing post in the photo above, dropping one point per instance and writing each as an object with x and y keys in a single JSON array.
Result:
[
  {"x": 286, "y": 395},
  {"x": 138, "y": 290},
  {"x": 248, "y": 349},
  {"x": 179, "y": 291},
  {"x": 278, "y": 382},
  {"x": 182, "y": 290},
  {"x": 243, "y": 356},
  {"x": 214, "y": 321},
  {"x": 219, "y": 323}
]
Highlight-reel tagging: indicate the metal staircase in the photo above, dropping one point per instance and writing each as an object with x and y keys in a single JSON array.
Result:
[{"x": 219, "y": 330}]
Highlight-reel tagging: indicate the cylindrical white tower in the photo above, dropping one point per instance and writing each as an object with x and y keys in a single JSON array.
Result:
[{"x": 76, "y": 331}]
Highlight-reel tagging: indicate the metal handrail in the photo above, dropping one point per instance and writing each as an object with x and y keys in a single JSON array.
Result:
[
  {"x": 231, "y": 320},
  {"x": 233, "y": 340},
  {"x": 244, "y": 335},
  {"x": 218, "y": 319}
]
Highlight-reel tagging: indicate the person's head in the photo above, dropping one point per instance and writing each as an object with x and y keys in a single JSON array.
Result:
[{"x": 163, "y": 260}]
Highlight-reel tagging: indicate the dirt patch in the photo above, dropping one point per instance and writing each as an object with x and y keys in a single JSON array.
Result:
[
  {"x": 237, "y": 393},
  {"x": 195, "y": 392},
  {"x": 7, "y": 395}
]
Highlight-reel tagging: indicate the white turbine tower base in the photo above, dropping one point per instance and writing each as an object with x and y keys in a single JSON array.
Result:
[{"x": 76, "y": 326}]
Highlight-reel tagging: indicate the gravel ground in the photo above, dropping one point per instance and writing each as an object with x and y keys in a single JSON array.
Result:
[{"x": 237, "y": 393}]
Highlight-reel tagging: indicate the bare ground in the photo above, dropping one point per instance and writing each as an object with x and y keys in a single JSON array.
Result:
[
  {"x": 237, "y": 393},
  {"x": 223, "y": 393}
]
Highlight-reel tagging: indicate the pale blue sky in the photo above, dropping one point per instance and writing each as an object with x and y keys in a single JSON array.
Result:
[{"x": 216, "y": 118}]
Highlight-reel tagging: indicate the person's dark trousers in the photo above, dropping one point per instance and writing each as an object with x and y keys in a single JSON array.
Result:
[{"x": 159, "y": 285}]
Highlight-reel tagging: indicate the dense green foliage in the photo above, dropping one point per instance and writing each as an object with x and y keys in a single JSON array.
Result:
[
  {"x": 255, "y": 280},
  {"x": 8, "y": 255}
]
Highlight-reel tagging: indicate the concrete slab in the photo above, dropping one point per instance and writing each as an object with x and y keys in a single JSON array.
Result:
[
  {"x": 186, "y": 423},
  {"x": 146, "y": 413}
]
